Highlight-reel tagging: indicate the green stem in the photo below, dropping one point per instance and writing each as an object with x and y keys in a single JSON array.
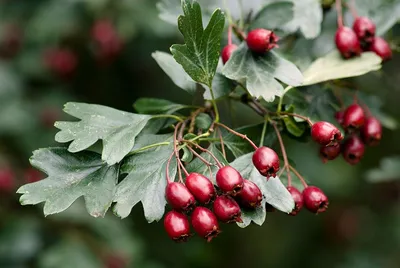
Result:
[
  {"x": 144, "y": 148},
  {"x": 168, "y": 116},
  {"x": 214, "y": 103},
  {"x": 206, "y": 134},
  {"x": 241, "y": 21},
  {"x": 263, "y": 133},
  {"x": 228, "y": 13},
  {"x": 281, "y": 99}
]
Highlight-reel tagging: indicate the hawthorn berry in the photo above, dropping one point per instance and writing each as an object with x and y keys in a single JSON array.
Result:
[
  {"x": 314, "y": 199},
  {"x": 364, "y": 28},
  {"x": 177, "y": 227},
  {"x": 325, "y": 133},
  {"x": 261, "y": 40},
  {"x": 329, "y": 152},
  {"x": 227, "y": 52},
  {"x": 347, "y": 42},
  {"x": 205, "y": 223},
  {"x": 201, "y": 187},
  {"x": 381, "y": 48},
  {"x": 339, "y": 117},
  {"x": 227, "y": 209},
  {"x": 266, "y": 161},
  {"x": 108, "y": 42},
  {"x": 229, "y": 180},
  {"x": 353, "y": 117},
  {"x": 371, "y": 132},
  {"x": 353, "y": 150},
  {"x": 7, "y": 179},
  {"x": 63, "y": 62},
  {"x": 250, "y": 196},
  {"x": 179, "y": 197},
  {"x": 298, "y": 200},
  {"x": 32, "y": 175}
]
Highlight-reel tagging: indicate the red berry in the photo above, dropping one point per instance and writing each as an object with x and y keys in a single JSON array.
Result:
[
  {"x": 108, "y": 42},
  {"x": 325, "y": 133},
  {"x": 347, "y": 42},
  {"x": 201, "y": 187},
  {"x": 371, "y": 132},
  {"x": 205, "y": 223},
  {"x": 353, "y": 117},
  {"x": 266, "y": 161},
  {"x": 226, "y": 209},
  {"x": 179, "y": 197},
  {"x": 329, "y": 152},
  {"x": 381, "y": 48},
  {"x": 298, "y": 200},
  {"x": 177, "y": 227},
  {"x": 315, "y": 200},
  {"x": 353, "y": 150},
  {"x": 227, "y": 52},
  {"x": 32, "y": 175},
  {"x": 364, "y": 29},
  {"x": 63, "y": 62},
  {"x": 7, "y": 179},
  {"x": 261, "y": 40},
  {"x": 339, "y": 117},
  {"x": 250, "y": 196},
  {"x": 229, "y": 180}
]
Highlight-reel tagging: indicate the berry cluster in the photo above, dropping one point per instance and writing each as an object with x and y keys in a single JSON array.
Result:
[{"x": 352, "y": 41}]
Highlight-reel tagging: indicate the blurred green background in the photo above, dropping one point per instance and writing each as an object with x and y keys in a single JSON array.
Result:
[{"x": 51, "y": 52}]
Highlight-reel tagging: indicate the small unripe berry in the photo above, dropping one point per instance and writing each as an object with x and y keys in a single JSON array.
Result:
[
  {"x": 353, "y": 117},
  {"x": 298, "y": 200},
  {"x": 347, "y": 42},
  {"x": 179, "y": 197},
  {"x": 266, "y": 161},
  {"x": 177, "y": 227},
  {"x": 261, "y": 40},
  {"x": 325, "y": 133},
  {"x": 353, "y": 150},
  {"x": 329, "y": 152},
  {"x": 381, "y": 48},
  {"x": 229, "y": 180},
  {"x": 227, "y": 52},
  {"x": 205, "y": 223},
  {"x": 371, "y": 132},
  {"x": 314, "y": 199},
  {"x": 226, "y": 209},
  {"x": 364, "y": 28},
  {"x": 201, "y": 187},
  {"x": 250, "y": 196}
]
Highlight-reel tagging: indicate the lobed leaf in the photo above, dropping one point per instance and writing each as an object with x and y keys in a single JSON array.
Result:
[
  {"x": 70, "y": 176},
  {"x": 274, "y": 15},
  {"x": 389, "y": 170},
  {"x": 117, "y": 129},
  {"x": 157, "y": 106}
]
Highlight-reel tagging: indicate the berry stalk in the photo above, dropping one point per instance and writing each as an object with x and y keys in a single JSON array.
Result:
[
  {"x": 238, "y": 134},
  {"x": 340, "y": 15},
  {"x": 299, "y": 176},
  {"x": 285, "y": 158},
  {"x": 205, "y": 150}
]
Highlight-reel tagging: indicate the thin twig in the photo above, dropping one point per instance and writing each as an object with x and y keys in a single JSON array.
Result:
[
  {"x": 205, "y": 150},
  {"x": 230, "y": 35},
  {"x": 199, "y": 156},
  {"x": 167, "y": 170},
  {"x": 339, "y": 12},
  {"x": 352, "y": 8},
  {"x": 299, "y": 176},
  {"x": 221, "y": 140},
  {"x": 285, "y": 158},
  {"x": 305, "y": 118},
  {"x": 238, "y": 134}
]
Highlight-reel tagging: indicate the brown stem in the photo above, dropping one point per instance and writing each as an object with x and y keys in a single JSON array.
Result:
[
  {"x": 281, "y": 144},
  {"x": 222, "y": 142},
  {"x": 239, "y": 33},
  {"x": 230, "y": 35},
  {"x": 205, "y": 150},
  {"x": 339, "y": 11},
  {"x": 305, "y": 118},
  {"x": 192, "y": 119},
  {"x": 168, "y": 164},
  {"x": 238, "y": 134},
  {"x": 299, "y": 176},
  {"x": 199, "y": 156},
  {"x": 352, "y": 8}
]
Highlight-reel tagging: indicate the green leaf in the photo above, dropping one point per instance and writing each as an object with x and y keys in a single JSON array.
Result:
[
  {"x": 200, "y": 54},
  {"x": 145, "y": 182},
  {"x": 116, "y": 128},
  {"x": 389, "y": 170},
  {"x": 70, "y": 176},
  {"x": 187, "y": 155},
  {"x": 175, "y": 71},
  {"x": 293, "y": 127},
  {"x": 157, "y": 106},
  {"x": 333, "y": 66},
  {"x": 273, "y": 15},
  {"x": 261, "y": 72},
  {"x": 275, "y": 193},
  {"x": 203, "y": 121},
  {"x": 307, "y": 18},
  {"x": 221, "y": 86}
]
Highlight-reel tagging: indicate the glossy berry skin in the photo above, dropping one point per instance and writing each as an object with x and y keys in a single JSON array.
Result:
[
  {"x": 353, "y": 150},
  {"x": 347, "y": 42},
  {"x": 266, "y": 161},
  {"x": 261, "y": 40},
  {"x": 229, "y": 180},
  {"x": 250, "y": 197},
  {"x": 201, "y": 187},
  {"x": 353, "y": 117},
  {"x": 205, "y": 223},
  {"x": 226, "y": 209},
  {"x": 325, "y": 133},
  {"x": 315, "y": 200},
  {"x": 364, "y": 28},
  {"x": 177, "y": 226},
  {"x": 298, "y": 200},
  {"x": 381, "y": 48},
  {"x": 371, "y": 132},
  {"x": 227, "y": 52},
  {"x": 179, "y": 197},
  {"x": 329, "y": 152},
  {"x": 7, "y": 180},
  {"x": 339, "y": 116}
]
